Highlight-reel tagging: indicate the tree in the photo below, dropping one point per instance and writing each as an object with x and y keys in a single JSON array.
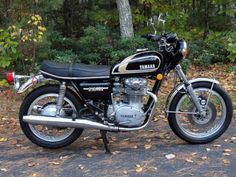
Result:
[{"x": 125, "y": 16}]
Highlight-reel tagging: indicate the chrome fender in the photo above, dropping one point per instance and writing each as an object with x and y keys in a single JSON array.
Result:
[
  {"x": 181, "y": 86},
  {"x": 32, "y": 81}
]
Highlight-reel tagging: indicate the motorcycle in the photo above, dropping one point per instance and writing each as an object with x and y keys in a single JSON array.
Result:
[{"x": 67, "y": 98}]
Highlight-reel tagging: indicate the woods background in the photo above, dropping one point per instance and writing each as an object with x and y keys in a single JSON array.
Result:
[{"x": 90, "y": 31}]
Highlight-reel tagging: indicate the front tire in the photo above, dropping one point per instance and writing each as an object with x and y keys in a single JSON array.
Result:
[
  {"x": 205, "y": 129},
  {"x": 30, "y": 130}
]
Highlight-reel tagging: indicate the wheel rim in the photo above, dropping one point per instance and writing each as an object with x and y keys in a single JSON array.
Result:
[
  {"x": 206, "y": 128},
  {"x": 46, "y": 105}
]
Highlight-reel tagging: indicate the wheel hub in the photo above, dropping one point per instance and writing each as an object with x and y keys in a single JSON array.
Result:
[{"x": 207, "y": 119}]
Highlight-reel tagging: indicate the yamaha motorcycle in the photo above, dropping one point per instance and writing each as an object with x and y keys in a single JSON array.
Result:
[{"x": 67, "y": 98}]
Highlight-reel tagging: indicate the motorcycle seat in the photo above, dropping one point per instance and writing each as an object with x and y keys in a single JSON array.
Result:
[{"x": 74, "y": 71}]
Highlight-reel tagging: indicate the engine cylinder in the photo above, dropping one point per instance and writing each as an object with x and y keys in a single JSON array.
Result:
[{"x": 128, "y": 110}]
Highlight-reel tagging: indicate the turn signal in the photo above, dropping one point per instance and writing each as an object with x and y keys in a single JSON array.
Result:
[
  {"x": 10, "y": 77},
  {"x": 185, "y": 53},
  {"x": 159, "y": 77}
]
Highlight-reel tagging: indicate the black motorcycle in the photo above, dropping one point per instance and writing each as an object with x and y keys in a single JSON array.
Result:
[{"x": 71, "y": 97}]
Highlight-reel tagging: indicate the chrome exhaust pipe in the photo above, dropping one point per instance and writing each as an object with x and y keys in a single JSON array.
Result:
[
  {"x": 82, "y": 123},
  {"x": 66, "y": 122}
]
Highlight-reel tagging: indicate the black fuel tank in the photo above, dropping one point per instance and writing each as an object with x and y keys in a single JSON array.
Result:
[{"x": 143, "y": 62}]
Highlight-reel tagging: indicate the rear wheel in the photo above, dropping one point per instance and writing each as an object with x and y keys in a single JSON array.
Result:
[
  {"x": 42, "y": 101},
  {"x": 193, "y": 127}
]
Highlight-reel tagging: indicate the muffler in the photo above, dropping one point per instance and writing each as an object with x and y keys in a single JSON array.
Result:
[{"x": 66, "y": 122}]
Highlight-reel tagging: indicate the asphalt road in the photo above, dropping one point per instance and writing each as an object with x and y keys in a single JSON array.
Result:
[{"x": 141, "y": 153}]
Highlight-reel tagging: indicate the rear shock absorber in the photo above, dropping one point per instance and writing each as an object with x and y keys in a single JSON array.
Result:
[{"x": 60, "y": 98}]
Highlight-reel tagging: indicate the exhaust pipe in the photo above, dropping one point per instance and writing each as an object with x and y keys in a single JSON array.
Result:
[
  {"x": 82, "y": 123},
  {"x": 66, "y": 122}
]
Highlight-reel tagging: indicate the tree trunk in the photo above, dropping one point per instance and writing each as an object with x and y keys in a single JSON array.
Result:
[
  {"x": 194, "y": 4},
  {"x": 206, "y": 23},
  {"x": 125, "y": 15}
]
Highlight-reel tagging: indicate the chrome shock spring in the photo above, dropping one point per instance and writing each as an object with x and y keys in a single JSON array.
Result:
[{"x": 60, "y": 98}]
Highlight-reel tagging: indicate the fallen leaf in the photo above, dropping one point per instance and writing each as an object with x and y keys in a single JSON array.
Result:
[
  {"x": 3, "y": 139},
  {"x": 14, "y": 142},
  {"x": 170, "y": 156},
  {"x": 115, "y": 152},
  {"x": 81, "y": 167},
  {"x": 138, "y": 168},
  {"x": 193, "y": 154},
  {"x": 147, "y": 146},
  {"x": 31, "y": 164},
  {"x": 189, "y": 160},
  {"x": 89, "y": 155},
  {"x": 3, "y": 169},
  {"x": 54, "y": 163},
  {"x": 225, "y": 161},
  {"x": 125, "y": 172},
  {"x": 227, "y": 150},
  {"x": 87, "y": 137},
  {"x": 94, "y": 147},
  {"x": 64, "y": 157},
  {"x": 226, "y": 154},
  {"x": 233, "y": 138},
  {"x": 156, "y": 119}
]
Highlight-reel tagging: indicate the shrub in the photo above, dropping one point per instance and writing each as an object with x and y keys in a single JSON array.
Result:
[
  {"x": 205, "y": 53},
  {"x": 231, "y": 46},
  {"x": 9, "y": 46}
]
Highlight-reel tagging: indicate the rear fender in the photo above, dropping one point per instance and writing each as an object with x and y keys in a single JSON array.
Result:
[
  {"x": 32, "y": 81},
  {"x": 181, "y": 86}
]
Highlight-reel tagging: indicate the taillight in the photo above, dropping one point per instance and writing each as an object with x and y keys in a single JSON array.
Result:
[{"x": 10, "y": 77}]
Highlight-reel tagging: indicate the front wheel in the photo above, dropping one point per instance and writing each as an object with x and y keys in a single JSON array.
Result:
[
  {"x": 42, "y": 101},
  {"x": 194, "y": 128}
]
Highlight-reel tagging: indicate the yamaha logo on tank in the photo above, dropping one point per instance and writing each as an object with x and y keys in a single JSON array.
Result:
[{"x": 150, "y": 66}]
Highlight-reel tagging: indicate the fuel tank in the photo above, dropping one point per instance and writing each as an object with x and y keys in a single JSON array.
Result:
[{"x": 139, "y": 63}]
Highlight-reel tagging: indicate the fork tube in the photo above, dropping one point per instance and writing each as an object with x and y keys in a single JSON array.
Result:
[{"x": 188, "y": 87}]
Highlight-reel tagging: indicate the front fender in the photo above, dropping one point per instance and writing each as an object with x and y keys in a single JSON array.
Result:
[
  {"x": 181, "y": 86},
  {"x": 32, "y": 81}
]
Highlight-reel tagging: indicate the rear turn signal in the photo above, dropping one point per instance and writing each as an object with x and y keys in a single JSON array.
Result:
[{"x": 10, "y": 77}]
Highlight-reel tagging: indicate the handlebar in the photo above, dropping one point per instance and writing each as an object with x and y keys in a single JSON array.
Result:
[
  {"x": 167, "y": 41},
  {"x": 169, "y": 37},
  {"x": 151, "y": 37}
]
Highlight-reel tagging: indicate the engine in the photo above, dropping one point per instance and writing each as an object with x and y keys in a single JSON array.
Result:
[{"x": 127, "y": 104}]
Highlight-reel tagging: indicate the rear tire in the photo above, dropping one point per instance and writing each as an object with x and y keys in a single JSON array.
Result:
[
  {"x": 180, "y": 131},
  {"x": 29, "y": 99}
]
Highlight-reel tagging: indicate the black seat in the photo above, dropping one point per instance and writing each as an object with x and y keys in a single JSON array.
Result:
[{"x": 74, "y": 71}]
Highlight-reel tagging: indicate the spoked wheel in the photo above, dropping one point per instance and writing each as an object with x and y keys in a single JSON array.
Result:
[
  {"x": 42, "y": 101},
  {"x": 195, "y": 128}
]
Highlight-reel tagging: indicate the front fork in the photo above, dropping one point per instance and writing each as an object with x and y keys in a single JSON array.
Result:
[{"x": 189, "y": 89}]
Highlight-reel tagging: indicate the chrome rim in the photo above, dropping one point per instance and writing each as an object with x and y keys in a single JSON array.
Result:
[
  {"x": 46, "y": 105},
  {"x": 201, "y": 127}
]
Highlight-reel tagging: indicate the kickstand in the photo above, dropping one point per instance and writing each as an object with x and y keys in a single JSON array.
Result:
[{"x": 105, "y": 140}]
